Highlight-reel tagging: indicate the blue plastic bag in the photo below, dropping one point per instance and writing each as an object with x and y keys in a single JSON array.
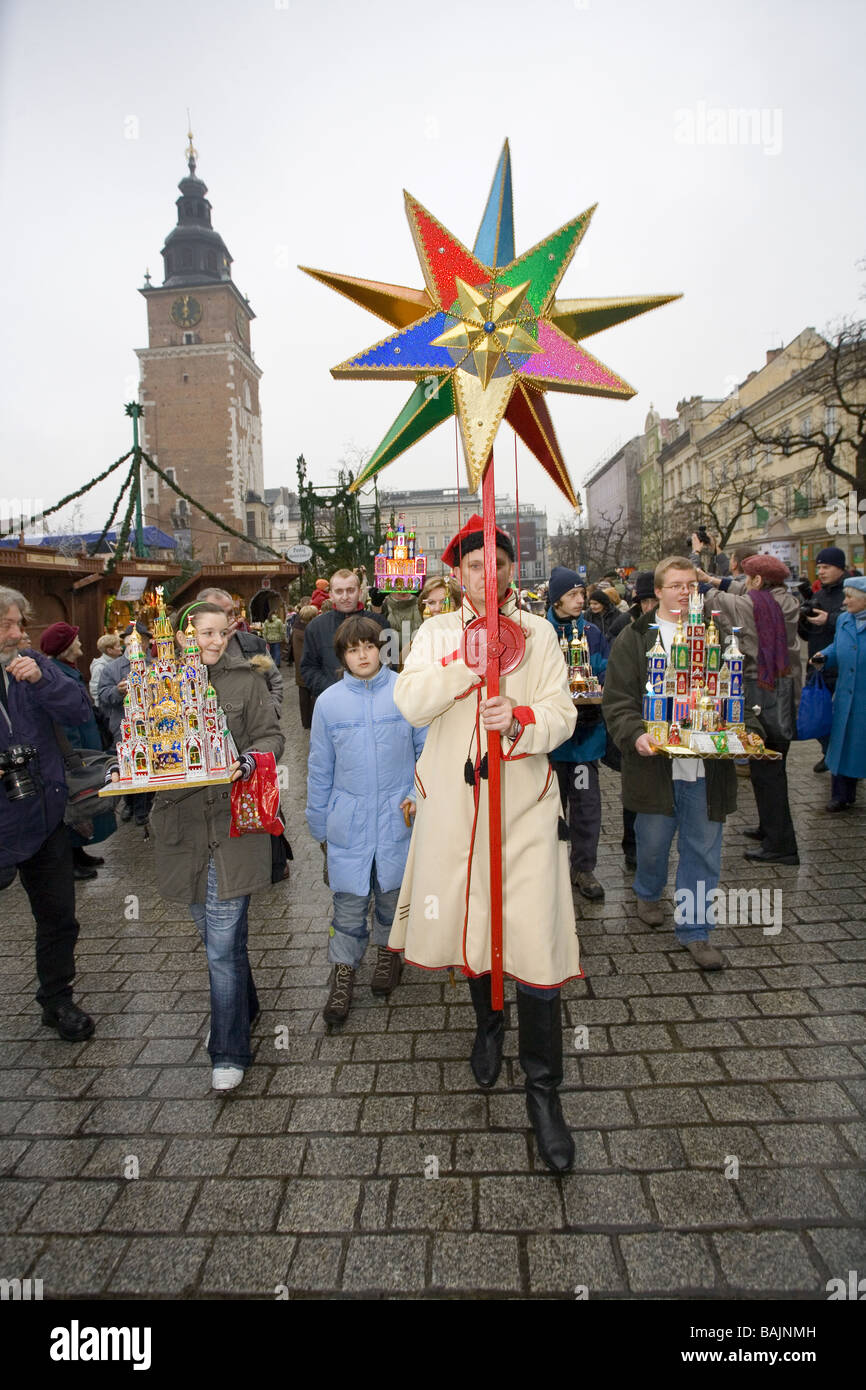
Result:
[{"x": 815, "y": 715}]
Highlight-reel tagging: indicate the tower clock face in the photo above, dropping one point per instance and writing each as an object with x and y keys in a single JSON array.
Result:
[{"x": 186, "y": 311}]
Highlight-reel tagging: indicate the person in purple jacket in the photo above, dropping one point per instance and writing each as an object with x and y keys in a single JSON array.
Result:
[{"x": 33, "y": 838}]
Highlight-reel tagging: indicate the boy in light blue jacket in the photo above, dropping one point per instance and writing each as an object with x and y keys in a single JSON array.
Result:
[{"x": 360, "y": 804}]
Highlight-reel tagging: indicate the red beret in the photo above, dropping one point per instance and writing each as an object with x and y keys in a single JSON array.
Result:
[
  {"x": 56, "y": 638},
  {"x": 472, "y": 538},
  {"x": 771, "y": 570}
]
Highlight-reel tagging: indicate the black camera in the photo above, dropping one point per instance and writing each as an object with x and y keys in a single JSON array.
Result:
[
  {"x": 17, "y": 781},
  {"x": 703, "y": 535}
]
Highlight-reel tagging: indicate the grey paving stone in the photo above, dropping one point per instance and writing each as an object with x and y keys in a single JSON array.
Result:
[
  {"x": 19, "y": 1253},
  {"x": 61, "y": 1082},
  {"x": 850, "y": 1188},
  {"x": 646, "y": 1149},
  {"x": 678, "y": 1067},
  {"x": 588, "y": 1109},
  {"x": 664, "y": 1262},
  {"x": 236, "y": 1204},
  {"x": 374, "y": 1204},
  {"x": 161, "y": 1265},
  {"x": 240, "y": 1116},
  {"x": 122, "y": 1082},
  {"x": 56, "y": 1158},
  {"x": 479, "y": 1262},
  {"x": 71, "y": 1207},
  {"x": 341, "y": 1156},
  {"x": 642, "y": 1038},
  {"x": 594, "y": 1012},
  {"x": 666, "y": 1008},
  {"x": 669, "y": 1105},
  {"x": 325, "y": 1115},
  {"x": 112, "y": 1158},
  {"x": 757, "y": 1064},
  {"x": 375, "y": 1047},
  {"x": 606, "y": 1200},
  {"x": 614, "y": 1071},
  {"x": 840, "y": 1249},
  {"x": 312, "y": 1204},
  {"x": 412, "y": 1153},
  {"x": 11, "y": 1151},
  {"x": 854, "y": 1134},
  {"x": 838, "y": 1027},
  {"x": 825, "y": 1061},
  {"x": 196, "y": 1158},
  {"x": 776, "y": 1032},
  {"x": 77, "y": 1267},
  {"x": 725, "y": 1006},
  {"x": 734, "y": 1102},
  {"x": 771, "y": 1195},
  {"x": 391, "y": 1264},
  {"x": 316, "y": 1264},
  {"x": 307, "y": 1079},
  {"x": 564, "y": 1264},
  {"x": 696, "y": 1199},
  {"x": 248, "y": 1264},
  {"x": 446, "y": 1112},
  {"x": 765, "y": 1261},
  {"x": 802, "y": 1143},
  {"x": 150, "y": 1205},
  {"x": 54, "y": 1117},
  {"x": 189, "y": 1116},
  {"x": 111, "y": 1117},
  {"x": 413, "y": 1078},
  {"x": 502, "y": 1153},
  {"x": 437, "y": 1204},
  {"x": 820, "y": 1100}
]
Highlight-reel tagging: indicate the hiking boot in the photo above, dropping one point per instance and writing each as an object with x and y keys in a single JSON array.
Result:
[
  {"x": 72, "y": 1023},
  {"x": 707, "y": 957},
  {"x": 651, "y": 912},
  {"x": 757, "y": 834},
  {"x": 340, "y": 998},
  {"x": 588, "y": 885},
  {"x": 389, "y": 968}
]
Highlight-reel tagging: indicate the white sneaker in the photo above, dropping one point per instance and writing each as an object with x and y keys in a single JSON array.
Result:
[{"x": 226, "y": 1077}]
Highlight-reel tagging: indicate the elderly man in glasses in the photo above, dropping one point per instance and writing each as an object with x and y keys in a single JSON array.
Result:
[{"x": 684, "y": 796}]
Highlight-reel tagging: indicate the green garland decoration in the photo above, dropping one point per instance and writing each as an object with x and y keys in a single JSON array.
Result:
[
  {"x": 230, "y": 530},
  {"x": 64, "y": 501},
  {"x": 123, "y": 535},
  {"x": 107, "y": 527}
]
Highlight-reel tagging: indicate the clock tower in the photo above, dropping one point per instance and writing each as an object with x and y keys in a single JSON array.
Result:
[{"x": 199, "y": 388}]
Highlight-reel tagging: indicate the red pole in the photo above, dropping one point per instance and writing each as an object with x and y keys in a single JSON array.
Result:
[{"x": 494, "y": 798}]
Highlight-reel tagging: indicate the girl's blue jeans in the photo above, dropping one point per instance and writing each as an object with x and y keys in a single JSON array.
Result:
[{"x": 233, "y": 999}]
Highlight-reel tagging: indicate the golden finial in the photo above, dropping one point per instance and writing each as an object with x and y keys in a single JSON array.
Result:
[{"x": 191, "y": 152}]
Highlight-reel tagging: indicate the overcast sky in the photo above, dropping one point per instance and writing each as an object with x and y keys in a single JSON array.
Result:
[{"x": 309, "y": 121}]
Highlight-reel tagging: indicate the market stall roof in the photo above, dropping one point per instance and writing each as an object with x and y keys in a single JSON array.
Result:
[{"x": 151, "y": 535}]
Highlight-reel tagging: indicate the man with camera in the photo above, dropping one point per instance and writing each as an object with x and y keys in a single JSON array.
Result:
[
  {"x": 818, "y": 617},
  {"x": 33, "y": 838},
  {"x": 706, "y": 554}
]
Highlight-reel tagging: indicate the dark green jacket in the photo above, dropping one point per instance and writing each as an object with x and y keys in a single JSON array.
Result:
[{"x": 647, "y": 783}]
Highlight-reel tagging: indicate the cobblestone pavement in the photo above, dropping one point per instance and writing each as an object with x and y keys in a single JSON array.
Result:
[{"x": 317, "y": 1174}]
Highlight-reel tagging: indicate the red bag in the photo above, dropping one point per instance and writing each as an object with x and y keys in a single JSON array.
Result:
[{"x": 256, "y": 802}]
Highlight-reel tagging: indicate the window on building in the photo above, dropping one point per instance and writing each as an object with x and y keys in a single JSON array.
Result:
[
  {"x": 223, "y": 548},
  {"x": 806, "y": 426},
  {"x": 830, "y": 425},
  {"x": 431, "y": 542},
  {"x": 170, "y": 474},
  {"x": 251, "y": 523},
  {"x": 186, "y": 258},
  {"x": 212, "y": 262},
  {"x": 768, "y": 455},
  {"x": 248, "y": 401},
  {"x": 189, "y": 338}
]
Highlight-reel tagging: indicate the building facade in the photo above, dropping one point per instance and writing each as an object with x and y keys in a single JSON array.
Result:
[
  {"x": 199, "y": 388},
  {"x": 436, "y": 514}
]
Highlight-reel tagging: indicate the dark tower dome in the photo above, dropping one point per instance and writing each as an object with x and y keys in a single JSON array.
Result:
[{"x": 194, "y": 254}]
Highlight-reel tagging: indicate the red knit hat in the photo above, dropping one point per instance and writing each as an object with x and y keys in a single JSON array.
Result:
[
  {"x": 56, "y": 638},
  {"x": 472, "y": 538},
  {"x": 323, "y": 585},
  {"x": 771, "y": 570}
]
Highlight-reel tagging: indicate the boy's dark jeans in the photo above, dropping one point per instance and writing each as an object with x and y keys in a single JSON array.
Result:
[{"x": 49, "y": 883}]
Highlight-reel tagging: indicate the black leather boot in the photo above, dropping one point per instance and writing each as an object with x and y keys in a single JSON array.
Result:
[
  {"x": 486, "y": 1058},
  {"x": 540, "y": 1025}
]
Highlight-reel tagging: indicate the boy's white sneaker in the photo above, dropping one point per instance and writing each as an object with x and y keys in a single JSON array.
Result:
[{"x": 226, "y": 1077}]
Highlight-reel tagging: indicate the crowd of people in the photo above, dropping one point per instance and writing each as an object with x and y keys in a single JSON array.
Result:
[{"x": 399, "y": 722}]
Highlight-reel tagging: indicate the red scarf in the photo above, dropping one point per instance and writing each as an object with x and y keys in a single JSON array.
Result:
[{"x": 773, "y": 657}]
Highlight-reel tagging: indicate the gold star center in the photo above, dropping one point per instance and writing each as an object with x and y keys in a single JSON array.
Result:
[{"x": 488, "y": 327}]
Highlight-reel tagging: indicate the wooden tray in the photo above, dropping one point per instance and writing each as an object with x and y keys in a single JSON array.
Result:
[{"x": 132, "y": 788}]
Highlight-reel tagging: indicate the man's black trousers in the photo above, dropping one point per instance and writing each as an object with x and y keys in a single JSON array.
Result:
[{"x": 49, "y": 883}]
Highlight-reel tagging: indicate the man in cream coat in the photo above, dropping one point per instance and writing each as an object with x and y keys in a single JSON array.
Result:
[{"x": 443, "y": 912}]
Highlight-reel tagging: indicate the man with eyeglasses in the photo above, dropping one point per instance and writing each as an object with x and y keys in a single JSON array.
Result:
[{"x": 669, "y": 796}]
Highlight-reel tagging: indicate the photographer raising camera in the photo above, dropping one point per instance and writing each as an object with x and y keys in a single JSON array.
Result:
[{"x": 33, "y": 839}]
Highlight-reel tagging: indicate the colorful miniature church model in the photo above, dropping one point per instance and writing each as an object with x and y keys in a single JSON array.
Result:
[
  {"x": 696, "y": 689},
  {"x": 582, "y": 680},
  {"x": 399, "y": 567},
  {"x": 172, "y": 728}
]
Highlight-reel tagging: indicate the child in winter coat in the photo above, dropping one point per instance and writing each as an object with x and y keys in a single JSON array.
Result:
[
  {"x": 360, "y": 801},
  {"x": 213, "y": 872}
]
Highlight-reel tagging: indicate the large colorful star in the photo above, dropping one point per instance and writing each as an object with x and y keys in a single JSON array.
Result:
[{"x": 486, "y": 338}]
